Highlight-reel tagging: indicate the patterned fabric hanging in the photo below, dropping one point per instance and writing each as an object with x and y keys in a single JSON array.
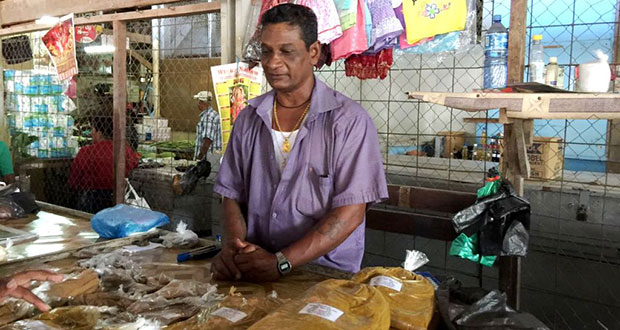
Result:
[
  {"x": 369, "y": 66},
  {"x": 385, "y": 26},
  {"x": 328, "y": 19},
  {"x": 347, "y": 10},
  {"x": 353, "y": 40}
]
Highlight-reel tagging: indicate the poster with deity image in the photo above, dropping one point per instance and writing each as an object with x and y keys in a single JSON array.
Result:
[
  {"x": 234, "y": 84},
  {"x": 60, "y": 44}
]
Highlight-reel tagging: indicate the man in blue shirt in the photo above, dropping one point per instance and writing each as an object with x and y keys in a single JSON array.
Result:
[{"x": 208, "y": 131}]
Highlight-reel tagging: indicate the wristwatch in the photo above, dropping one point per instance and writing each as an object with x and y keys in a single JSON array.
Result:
[{"x": 284, "y": 266}]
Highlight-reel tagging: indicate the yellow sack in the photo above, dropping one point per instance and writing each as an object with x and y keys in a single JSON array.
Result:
[
  {"x": 411, "y": 297},
  {"x": 332, "y": 304},
  {"x": 428, "y": 18},
  {"x": 234, "y": 312}
]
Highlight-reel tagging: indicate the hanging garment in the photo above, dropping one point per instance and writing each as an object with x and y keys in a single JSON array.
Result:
[
  {"x": 347, "y": 10},
  {"x": 368, "y": 23},
  {"x": 328, "y": 19},
  {"x": 427, "y": 18},
  {"x": 353, "y": 40},
  {"x": 385, "y": 26},
  {"x": 402, "y": 39},
  {"x": 369, "y": 66}
]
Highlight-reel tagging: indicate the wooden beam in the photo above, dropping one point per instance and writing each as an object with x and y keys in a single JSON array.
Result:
[
  {"x": 120, "y": 110},
  {"x": 613, "y": 126},
  {"x": 510, "y": 267},
  {"x": 420, "y": 198},
  {"x": 517, "y": 42},
  {"x": 227, "y": 31},
  {"x": 19, "y": 11},
  {"x": 195, "y": 9},
  {"x": 133, "y": 37},
  {"x": 423, "y": 225},
  {"x": 141, "y": 59}
]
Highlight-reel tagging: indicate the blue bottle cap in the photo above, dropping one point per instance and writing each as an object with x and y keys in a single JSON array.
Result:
[{"x": 497, "y": 18}]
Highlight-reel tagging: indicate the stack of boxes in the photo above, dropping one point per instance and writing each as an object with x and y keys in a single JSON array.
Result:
[
  {"x": 154, "y": 129},
  {"x": 36, "y": 105}
]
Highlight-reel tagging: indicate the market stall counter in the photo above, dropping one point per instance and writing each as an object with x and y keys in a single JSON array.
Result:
[{"x": 136, "y": 281}]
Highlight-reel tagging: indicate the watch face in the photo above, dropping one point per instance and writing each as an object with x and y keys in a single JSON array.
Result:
[{"x": 285, "y": 266}]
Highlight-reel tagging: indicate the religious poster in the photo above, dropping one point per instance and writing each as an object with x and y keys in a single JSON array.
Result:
[
  {"x": 234, "y": 84},
  {"x": 87, "y": 33},
  {"x": 60, "y": 44}
]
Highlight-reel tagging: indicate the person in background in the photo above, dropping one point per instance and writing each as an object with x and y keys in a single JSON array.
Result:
[
  {"x": 302, "y": 165},
  {"x": 92, "y": 170},
  {"x": 6, "y": 164},
  {"x": 208, "y": 131},
  {"x": 17, "y": 286}
]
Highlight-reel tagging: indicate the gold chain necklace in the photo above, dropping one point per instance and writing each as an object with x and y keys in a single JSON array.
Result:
[{"x": 286, "y": 145}]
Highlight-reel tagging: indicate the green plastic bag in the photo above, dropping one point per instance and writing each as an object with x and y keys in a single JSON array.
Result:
[
  {"x": 467, "y": 248},
  {"x": 490, "y": 187}
]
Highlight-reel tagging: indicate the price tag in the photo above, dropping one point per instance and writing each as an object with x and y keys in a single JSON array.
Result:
[
  {"x": 387, "y": 282},
  {"x": 230, "y": 314},
  {"x": 324, "y": 311}
]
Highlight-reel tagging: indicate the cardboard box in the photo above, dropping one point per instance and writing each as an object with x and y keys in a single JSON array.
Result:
[
  {"x": 546, "y": 157},
  {"x": 452, "y": 141}
]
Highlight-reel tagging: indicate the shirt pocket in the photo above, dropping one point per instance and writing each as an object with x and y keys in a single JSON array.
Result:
[{"x": 314, "y": 199}]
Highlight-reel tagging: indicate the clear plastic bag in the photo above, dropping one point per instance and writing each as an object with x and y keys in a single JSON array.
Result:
[
  {"x": 123, "y": 220},
  {"x": 181, "y": 238},
  {"x": 414, "y": 260}
]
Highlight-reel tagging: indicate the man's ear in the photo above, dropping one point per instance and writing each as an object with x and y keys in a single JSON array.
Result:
[{"x": 315, "y": 52}]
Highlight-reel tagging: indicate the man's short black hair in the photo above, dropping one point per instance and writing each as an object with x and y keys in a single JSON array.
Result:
[
  {"x": 295, "y": 15},
  {"x": 103, "y": 124}
]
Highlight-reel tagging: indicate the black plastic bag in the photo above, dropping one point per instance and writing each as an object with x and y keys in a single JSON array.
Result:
[
  {"x": 502, "y": 221},
  {"x": 13, "y": 203},
  {"x": 477, "y": 309},
  {"x": 190, "y": 178}
]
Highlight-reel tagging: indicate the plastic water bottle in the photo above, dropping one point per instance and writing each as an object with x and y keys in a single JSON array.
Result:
[
  {"x": 537, "y": 60},
  {"x": 496, "y": 55}
]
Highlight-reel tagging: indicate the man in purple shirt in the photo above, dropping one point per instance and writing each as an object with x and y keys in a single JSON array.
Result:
[{"x": 301, "y": 167}]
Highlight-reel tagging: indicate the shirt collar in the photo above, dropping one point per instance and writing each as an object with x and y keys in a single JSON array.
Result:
[{"x": 323, "y": 100}]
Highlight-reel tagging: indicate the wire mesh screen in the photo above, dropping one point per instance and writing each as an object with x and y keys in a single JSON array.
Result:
[
  {"x": 573, "y": 191},
  {"x": 62, "y": 131}
]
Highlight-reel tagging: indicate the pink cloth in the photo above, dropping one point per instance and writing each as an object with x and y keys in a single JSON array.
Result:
[
  {"x": 353, "y": 40},
  {"x": 328, "y": 19}
]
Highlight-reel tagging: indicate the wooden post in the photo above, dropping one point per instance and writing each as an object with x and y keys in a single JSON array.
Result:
[
  {"x": 156, "y": 37},
  {"x": 4, "y": 136},
  {"x": 227, "y": 40},
  {"x": 120, "y": 111},
  {"x": 613, "y": 126},
  {"x": 510, "y": 267}
]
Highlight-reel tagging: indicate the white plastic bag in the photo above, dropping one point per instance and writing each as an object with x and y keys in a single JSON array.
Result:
[
  {"x": 182, "y": 237},
  {"x": 414, "y": 260},
  {"x": 132, "y": 198}
]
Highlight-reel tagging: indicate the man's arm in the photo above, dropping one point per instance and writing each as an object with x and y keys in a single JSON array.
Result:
[
  {"x": 223, "y": 265},
  {"x": 206, "y": 143},
  {"x": 330, "y": 232}
]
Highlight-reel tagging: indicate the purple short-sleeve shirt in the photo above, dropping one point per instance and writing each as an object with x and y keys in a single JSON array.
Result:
[{"x": 334, "y": 162}]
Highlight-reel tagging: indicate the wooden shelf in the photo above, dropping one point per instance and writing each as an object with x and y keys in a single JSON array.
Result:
[{"x": 531, "y": 105}]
